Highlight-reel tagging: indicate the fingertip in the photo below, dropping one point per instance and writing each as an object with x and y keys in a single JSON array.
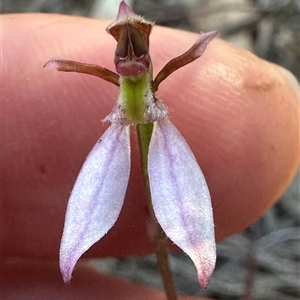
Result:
[
  {"x": 239, "y": 117},
  {"x": 292, "y": 80}
]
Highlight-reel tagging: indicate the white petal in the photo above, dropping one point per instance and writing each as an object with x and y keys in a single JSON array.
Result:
[
  {"x": 181, "y": 198},
  {"x": 97, "y": 196}
]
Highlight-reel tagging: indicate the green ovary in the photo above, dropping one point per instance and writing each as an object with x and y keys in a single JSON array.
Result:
[{"x": 133, "y": 97}]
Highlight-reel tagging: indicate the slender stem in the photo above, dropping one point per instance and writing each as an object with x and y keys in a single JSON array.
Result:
[
  {"x": 156, "y": 234},
  {"x": 250, "y": 267},
  {"x": 144, "y": 135}
]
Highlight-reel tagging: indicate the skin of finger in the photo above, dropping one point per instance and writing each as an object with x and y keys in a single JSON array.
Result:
[
  {"x": 41, "y": 280},
  {"x": 237, "y": 112}
]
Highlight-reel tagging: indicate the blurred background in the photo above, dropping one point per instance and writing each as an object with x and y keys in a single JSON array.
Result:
[{"x": 263, "y": 262}]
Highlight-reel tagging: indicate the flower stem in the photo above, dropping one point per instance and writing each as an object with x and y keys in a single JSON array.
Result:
[{"x": 156, "y": 234}]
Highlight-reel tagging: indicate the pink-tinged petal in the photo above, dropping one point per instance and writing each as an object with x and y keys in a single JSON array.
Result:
[
  {"x": 181, "y": 198},
  {"x": 97, "y": 197},
  {"x": 203, "y": 40},
  {"x": 124, "y": 11},
  {"x": 187, "y": 57},
  {"x": 127, "y": 16},
  {"x": 65, "y": 65}
]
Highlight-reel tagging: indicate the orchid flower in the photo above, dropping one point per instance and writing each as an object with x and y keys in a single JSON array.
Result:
[{"x": 179, "y": 194}]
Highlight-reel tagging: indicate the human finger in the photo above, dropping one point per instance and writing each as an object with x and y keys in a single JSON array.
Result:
[{"x": 237, "y": 112}]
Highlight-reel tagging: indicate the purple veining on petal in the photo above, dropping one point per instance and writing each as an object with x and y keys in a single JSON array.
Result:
[
  {"x": 180, "y": 197},
  {"x": 97, "y": 197}
]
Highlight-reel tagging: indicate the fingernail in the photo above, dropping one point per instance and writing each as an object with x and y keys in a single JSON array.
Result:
[{"x": 291, "y": 79}]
